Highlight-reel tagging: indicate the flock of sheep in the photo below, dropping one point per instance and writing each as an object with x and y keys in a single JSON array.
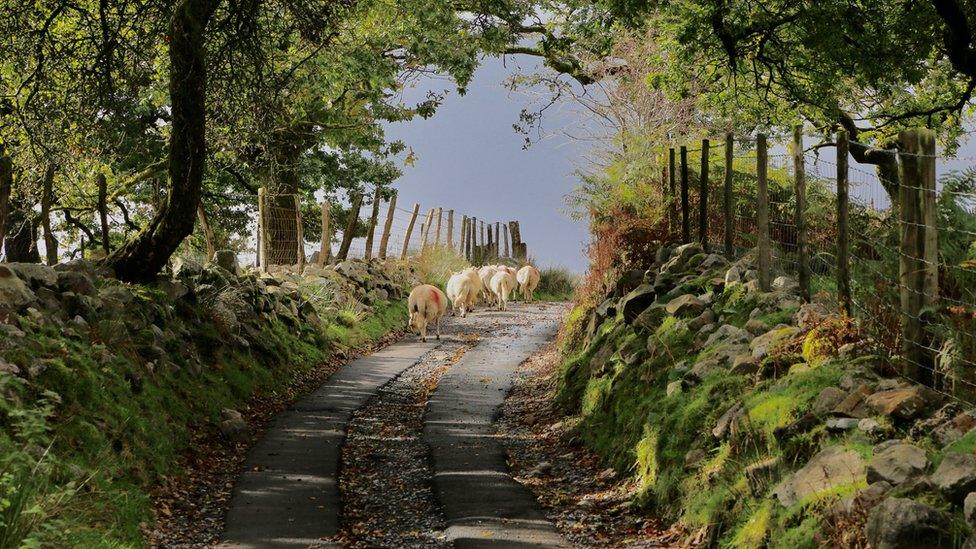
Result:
[{"x": 492, "y": 284}]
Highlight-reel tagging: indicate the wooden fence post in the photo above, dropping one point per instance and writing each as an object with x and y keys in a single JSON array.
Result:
[
  {"x": 505, "y": 231},
  {"x": 703, "y": 197},
  {"x": 440, "y": 217},
  {"x": 347, "y": 234},
  {"x": 425, "y": 231},
  {"x": 482, "y": 233},
  {"x": 406, "y": 239},
  {"x": 685, "y": 225},
  {"x": 6, "y": 184},
  {"x": 918, "y": 271},
  {"x": 263, "y": 229},
  {"x": 325, "y": 248},
  {"x": 47, "y": 196},
  {"x": 474, "y": 239},
  {"x": 672, "y": 208},
  {"x": 464, "y": 237},
  {"x": 299, "y": 234},
  {"x": 800, "y": 183},
  {"x": 727, "y": 207},
  {"x": 843, "y": 237},
  {"x": 387, "y": 226},
  {"x": 450, "y": 230},
  {"x": 374, "y": 217},
  {"x": 762, "y": 214},
  {"x": 103, "y": 211}
]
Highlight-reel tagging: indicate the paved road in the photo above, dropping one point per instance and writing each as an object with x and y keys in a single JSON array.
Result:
[{"x": 288, "y": 494}]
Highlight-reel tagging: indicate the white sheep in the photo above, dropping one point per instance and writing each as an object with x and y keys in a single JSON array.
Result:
[
  {"x": 426, "y": 304},
  {"x": 459, "y": 289},
  {"x": 502, "y": 284},
  {"x": 528, "y": 278},
  {"x": 486, "y": 273},
  {"x": 477, "y": 286}
]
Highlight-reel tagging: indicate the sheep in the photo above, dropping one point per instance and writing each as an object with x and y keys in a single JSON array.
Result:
[
  {"x": 502, "y": 284},
  {"x": 459, "y": 289},
  {"x": 477, "y": 286},
  {"x": 486, "y": 273},
  {"x": 426, "y": 304},
  {"x": 528, "y": 279}
]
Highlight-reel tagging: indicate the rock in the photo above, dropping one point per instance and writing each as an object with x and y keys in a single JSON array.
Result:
[
  {"x": 174, "y": 289},
  {"x": 733, "y": 275},
  {"x": 542, "y": 469},
  {"x": 956, "y": 476},
  {"x": 651, "y": 318},
  {"x": 901, "y": 523},
  {"x": 713, "y": 261},
  {"x": 636, "y": 301},
  {"x": 694, "y": 457},
  {"x": 869, "y": 426},
  {"x": 8, "y": 368},
  {"x": 832, "y": 467},
  {"x": 14, "y": 292},
  {"x": 705, "y": 318},
  {"x": 725, "y": 424},
  {"x": 687, "y": 251},
  {"x": 896, "y": 463},
  {"x": 627, "y": 282},
  {"x": 837, "y": 424},
  {"x": 76, "y": 282},
  {"x": 761, "y": 345},
  {"x": 686, "y": 305},
  {"x": 803, "y": 424},
  {"x": 227, "y": 259},
  {"x": 35, "y": 275},
  {"x": 785, "y": 284},
  {"x": 854, "y": 404},
  {"x": 744, "y": 364},
  {"x": 729, "y": 334},
  {"x": 828, "y": 398},
  {"x": 809, "y": 315},
  {"x": 756, "y": 327},
  {"x": 969, "y": 509},
  {"x": 235, "y": 429},
  {"x": 898, "y": 403}
]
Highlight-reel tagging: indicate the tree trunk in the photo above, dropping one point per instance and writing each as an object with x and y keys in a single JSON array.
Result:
[
  {"x": 208, "y": 234},
  {"x": 21, "y": 242},
  {"x": 283, "y": 182},
  {"x": 6, "y": 183},
  {"x": 50, "y": 243},
  {"x": 143, "y": 256}
]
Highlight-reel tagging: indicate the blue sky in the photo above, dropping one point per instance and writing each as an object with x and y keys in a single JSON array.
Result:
[{"x": 470, "y": 159}]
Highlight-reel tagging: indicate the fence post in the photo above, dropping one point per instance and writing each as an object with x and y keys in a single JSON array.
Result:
[
  {"x": 440, "y": 217},
  {"x": 47, "y": 196},
  {"x": 685, "y": 224},
  {"x": 498, "y": 239},
  {"x": 800, "y": 184},
  {"x": 464, "y": 237},
  {"x": 406, "y": 239},
  {"x": 490, "y": 246},
  {"x": 727, "y": 196},
  {"x": 450, "y": 230},
  {"x": 388, "y": 226},
  {"x": 473, "y": 230},
  {"x": 762, "y": 214},
  {"x": 703, "y": 197},
  {"x": 482, "y": 233},
  {"x": 672, "y": 209},
  {"x": 299, "y": 234},
  {"x": 374, "y": 216},
  {"x": 103, "y": 211},
  {"x": 347, "y": 235},
  {"x": 843, "y": 237},
  {"x": 505, "y": 232},
  {"x": 325, "y": 248},
  {"x": 918, "y": 271},
  {"x": 425, "y": 231},
  {"x": 262, "y": 229}
]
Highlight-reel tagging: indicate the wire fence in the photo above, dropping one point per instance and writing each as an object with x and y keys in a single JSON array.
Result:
[{"x": 910, "y": 254}]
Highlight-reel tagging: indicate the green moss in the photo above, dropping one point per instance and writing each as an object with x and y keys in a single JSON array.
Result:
[
  {"x": 801, "y": 536},
  {"x": 756, "y": 529}
]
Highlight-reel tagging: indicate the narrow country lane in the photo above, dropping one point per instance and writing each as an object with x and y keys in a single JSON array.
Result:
[{"x": 399, "y": 449}]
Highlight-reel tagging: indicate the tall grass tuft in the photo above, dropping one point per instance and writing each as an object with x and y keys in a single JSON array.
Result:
[
  {"x": 556, "y": 284},
  {"x": 437, "y": 263}
]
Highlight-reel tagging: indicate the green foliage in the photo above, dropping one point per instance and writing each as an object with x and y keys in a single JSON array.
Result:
[
  {"x": 556, "y": 284},
  {"x": 436, "y": 264}
]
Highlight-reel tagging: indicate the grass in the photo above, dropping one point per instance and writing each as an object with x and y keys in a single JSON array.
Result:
[
  {"x": 83, "y": 442},
  {"x": 437, "y": 264},
  {"x": 556, "y": 284}
]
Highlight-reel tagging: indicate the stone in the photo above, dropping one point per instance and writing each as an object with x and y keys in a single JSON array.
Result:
[
  {"x": 854, "y": 404},
  {"x": 235, "y": 429},
  {"x": 785, "y": 284},
  {"x": 897, "y": 463},
  {"x": 729, "y": 334},
  {"x": 694, "y": 457},
  {"x": 801, "y": 425},
  {"x": 763, "y": 344},
  {"x": 636, "y": 301},
  {"x": 956, "y": 476},
  {"x": 902, "y": 523},
  {"x": 35, "y": 275},
  {"x": 8, "y": 368},
  {"x": 627, "y": 282},
  {"x": 688, "y": 251},
  {"x": 705, "y": 318},
  {"x": 832, "y": 467},
  {"x": 809, "y": 315},
  {"x": 828, "y": 398},
  {"x": 713, "y": 261},
  {"x": 686, "y": 305},
  {"x": 756, "y": 327},
  {"x": 173, "y": 288},
  {"x": 725, "y": 424},
  {"x": 14, "y": 292},
  {"x": 744, "y": 364},
  {"x": 904, "y": 403},
  {"x": 870, "y": 426},
  {"x": 544, "y": 468},
  {"x": 76, "y": 282},
  {"x": 969, "y": 509},
  {"x": 227, "y": 259},
  {"x": 837, "y": 424},
  {"x": 733, "y": 275}
]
